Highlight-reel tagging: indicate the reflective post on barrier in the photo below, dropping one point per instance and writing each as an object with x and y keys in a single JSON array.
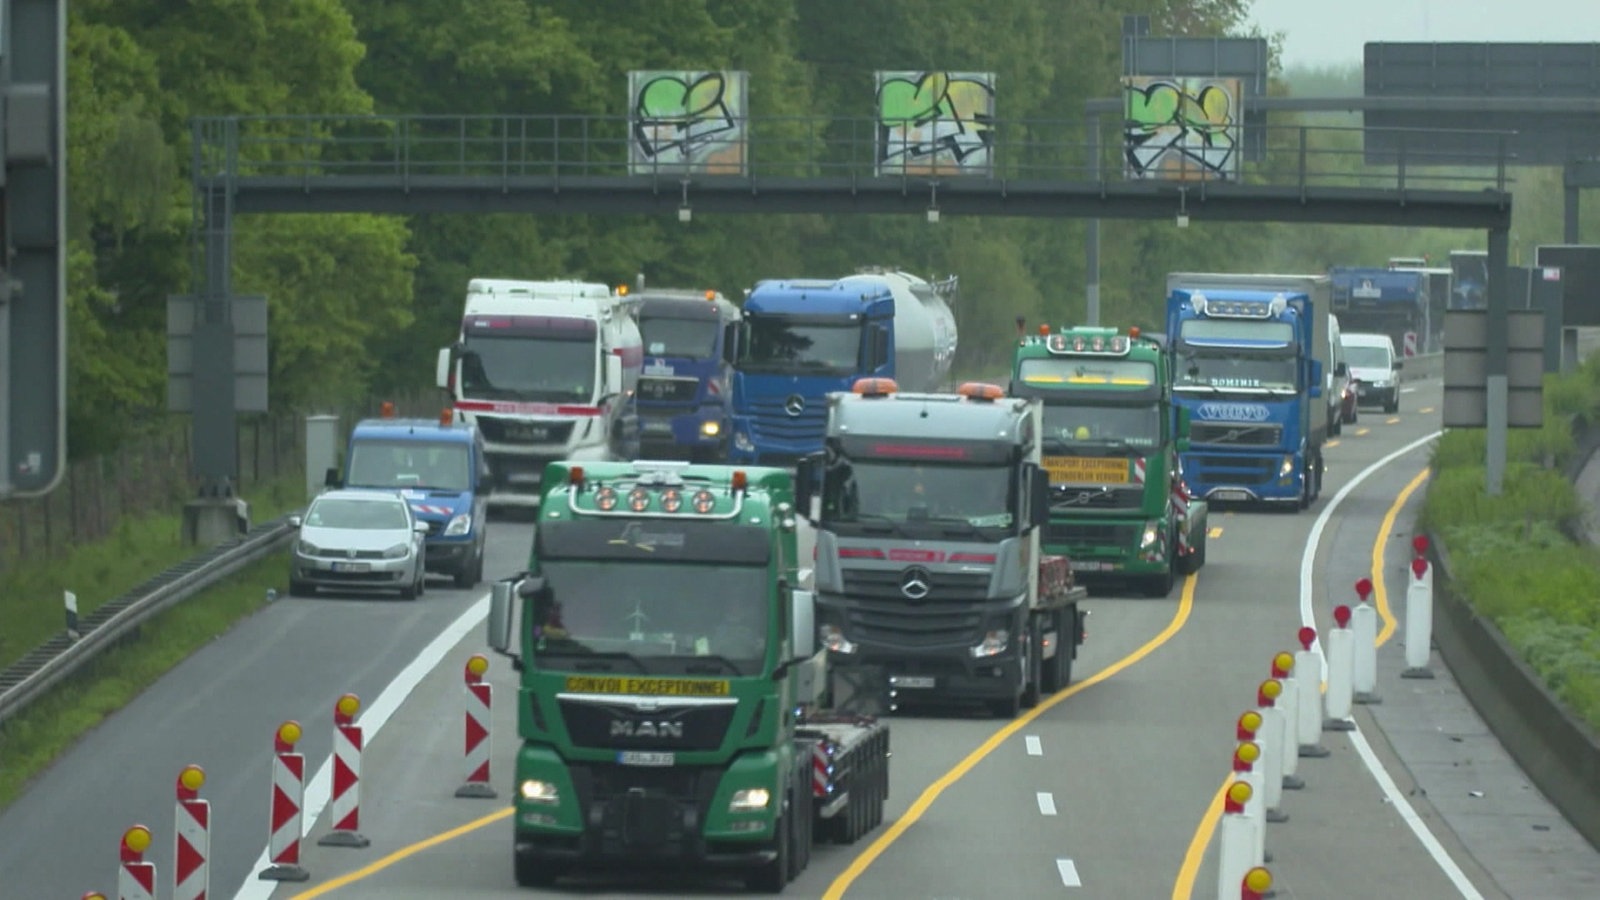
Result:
[
  {"x": 1419, "y": 612},
  {"x": 1256, "y": 884},
  {"x": 1288, "y": 715},
  {"x": 1341, "y": 665},
  {"x": 1309, "y": 711},
  {"x": 1364, "y": 630},
  {"x": 1270, "y": 737},
  {"x": 1235, "y": 852},
  {"x": 1245, "y": 757}
]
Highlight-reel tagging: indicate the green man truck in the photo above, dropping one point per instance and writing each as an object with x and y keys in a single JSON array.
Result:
[
  {"x": 929, "y": 579},
  {"x": 668, "y": 709},
  {"x": 1119, "y": 507}
]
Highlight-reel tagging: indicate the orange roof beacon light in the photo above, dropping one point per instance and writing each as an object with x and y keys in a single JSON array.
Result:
[
  {"x": 980, "y": 391},
  {"x": 875, "y": 387},
  {"x": 740, "y": 480},
  {"x": 1134, "y": 332},
  {"x": 622, "y": 290},
  {"x": 711, "y": 295},
  {"x": 575, "y": 476},
  {"x": 446, "y": 416},
  {"x": 1044, "y": 329},
  {"x": 387, "y": 409}
]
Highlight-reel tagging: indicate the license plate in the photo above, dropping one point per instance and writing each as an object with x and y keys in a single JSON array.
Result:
[
  {"x": 352, "y": 567},
  {"x": 1087, "y": 469},
  {"x": 912, "y": 681},
  {"x": 656, "y": 427},
  {"x": 1230, "y": 495},
  {"x": 1089, "y": 566},
  {"x": 645, "y": 758},
  {"x": 527, "y": 433}
]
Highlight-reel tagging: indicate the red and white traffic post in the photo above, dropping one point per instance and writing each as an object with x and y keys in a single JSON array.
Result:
[
  {"x": 137, "y": 878},
  {"x": 1419, "y": 612},
  {"x": 1256, "y": 884},
  {"x": 1235, "y": 852},
  {"x": 1341, "y": 668},
  {"x": 346, "y": 799},
  {"x": 1270, "y": 737},
  {"x": 480, "y": 704},
  {"x": 1364, "y": 628},
  {"x": 191, "y": 856},
  {"x": 1309, "y": 710},
  {"x": 1287, "y": 713},
  {"x": 288, "y": 798}
]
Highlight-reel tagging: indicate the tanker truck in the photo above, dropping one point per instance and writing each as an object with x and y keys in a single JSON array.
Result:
[{"x": 806, "y": 338}]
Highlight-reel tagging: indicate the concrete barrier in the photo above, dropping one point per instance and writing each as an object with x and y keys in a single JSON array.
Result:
[{"x": 1422, "y": 366}]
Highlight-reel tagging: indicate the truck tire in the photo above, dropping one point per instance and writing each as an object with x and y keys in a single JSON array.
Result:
[
  {"x": 1192, "y": 563},
  {"x": 531, "y": 872},
  {"x": 804, "y": 810},
  {"x": 1161, "y": 585},
  {"x": 1033, "y": 674},
  {"x": 772, "y": 877},
  {"x": 470, "y": 571},
  {"x": 1050, "y": 679}
]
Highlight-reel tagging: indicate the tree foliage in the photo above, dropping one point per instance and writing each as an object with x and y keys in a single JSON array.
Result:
[{"x": 360, "y": 303}]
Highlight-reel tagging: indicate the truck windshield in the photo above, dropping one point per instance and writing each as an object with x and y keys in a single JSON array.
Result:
[
  {"x": 1222, "y": 371},
  {"x": 1093, "y": 428},
  {"x": 896, "y": 493},
  {"x": 779, "y": 345},
  {"x": 682, "y": 338},
  {"x": 660, "y": 617},
  {"x": 528, "y": 368},
  {"x": 402, "y": 464}
]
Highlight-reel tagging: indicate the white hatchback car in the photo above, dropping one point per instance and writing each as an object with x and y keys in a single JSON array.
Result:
[{"x": 358, "y": 541}]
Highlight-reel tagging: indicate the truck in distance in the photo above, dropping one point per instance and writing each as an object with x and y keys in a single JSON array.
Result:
[
  {"x": 547, "y": 370},
  {"x": 1112, "y": 440},
  {"x": 1394, "y": 302},
  {"x": 669, "y": 684},
  {"x": 685, "y": 399},
  {"x": 930, "y": 581}
]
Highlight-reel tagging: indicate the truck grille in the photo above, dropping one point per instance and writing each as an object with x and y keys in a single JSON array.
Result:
[
  {"x": 1084, "y": 534},
  {"x": 951, "y": 614},
  {"x": 680, "y": 390},
  {"x": 1241, "y": 470},
  {"x": 771, "y": 422},
  {"x": 522, "y": 431},
  {"x": 1067, "y": 499},
  {"x": 652, "y": 813},
  {"x": 946, "y": 587},
  {"x": 1242, "y": 434},
  {"x": 608, "y": 726}
]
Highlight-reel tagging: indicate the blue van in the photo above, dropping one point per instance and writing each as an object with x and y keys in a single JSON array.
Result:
[
  {"x": 683, "y": 397},
  {"x": 441, "y": 470}
]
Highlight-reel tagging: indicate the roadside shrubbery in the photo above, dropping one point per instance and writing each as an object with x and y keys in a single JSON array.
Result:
[{"x": 1522, "y": 558}]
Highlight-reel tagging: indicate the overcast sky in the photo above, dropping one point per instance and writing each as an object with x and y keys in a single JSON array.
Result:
[{"x": 1332, "y": 32}]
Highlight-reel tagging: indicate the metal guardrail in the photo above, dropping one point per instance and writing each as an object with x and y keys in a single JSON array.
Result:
[
  {"x": 1423, "y": 365},
  {"x": 61, "y": 656}
]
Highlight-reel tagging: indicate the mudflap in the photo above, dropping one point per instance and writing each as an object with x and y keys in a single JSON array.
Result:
[{"x": 859, "y": 690}]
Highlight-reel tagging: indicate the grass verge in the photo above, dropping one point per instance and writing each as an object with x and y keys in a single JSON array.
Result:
[
  {"x": 1520, "y": 558},
  {"x": 31, "y": 594}
]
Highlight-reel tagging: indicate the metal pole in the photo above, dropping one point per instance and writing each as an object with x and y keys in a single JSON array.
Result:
[
  {"x": 1569, "y": 230},
  {"x": 1497, "y": 386},
  {"x": 5, "y": 383},
  {"x": 216, "y": 420},
  {"x": 1092, "y": 243}
]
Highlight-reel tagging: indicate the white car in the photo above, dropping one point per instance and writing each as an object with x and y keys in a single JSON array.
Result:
[
  {"x": 1376, "y": 369},
  {"x": 358, "y": 541}
]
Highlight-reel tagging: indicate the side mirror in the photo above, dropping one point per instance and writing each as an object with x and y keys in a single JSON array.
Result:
[
  {"x": 295, "y": 521},
  {"x": 331, "y": 478},
  {"x": 1314, "y": 387},
  {"x": 614, "y": 383},
  {"x": 500, "y": 613},
  {"x": 442, "y": 367},
  {"x": 807, "y": 471},
  {"x": 1184, "y": 416},
  {"x": 1038, "y": 497},
  {"x": 1341, "y": 370},
  {"x": 803, "y": 623},
  {"x": 730, "y": 342},
  {"x": 420, "y": 527}
]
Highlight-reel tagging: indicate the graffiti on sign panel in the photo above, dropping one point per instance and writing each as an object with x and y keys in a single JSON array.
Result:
[
  {"x": 1181, "y": 128},
  {"x": 687, "y": 122},
  {"x": 935, "y": 123}
]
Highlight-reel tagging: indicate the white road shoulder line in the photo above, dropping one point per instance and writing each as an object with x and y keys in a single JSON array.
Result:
[
  {"x": 1069, "y": 873},
  {"x": 1047, "y": 803},
  {"x": 1363, "y": 749},
  {"x": 1035, "y": 748},
  {"x": 320, "y": 787}
]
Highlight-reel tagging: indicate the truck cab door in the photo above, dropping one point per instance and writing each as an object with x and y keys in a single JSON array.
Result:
[
  {"x": 878, "y": 348},
  {"x": 1038, "y": 494}
]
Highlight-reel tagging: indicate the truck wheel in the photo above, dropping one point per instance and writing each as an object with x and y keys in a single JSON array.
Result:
[
  {"x": 1197, "y": 557},
  {"x": 532, "y": 872},
  {"x": 772, "y": 877},
  {"x": 1161, "y": 585},
  {"x": 1032, "y": 667},
  {"x": 1050, "y": 669}
]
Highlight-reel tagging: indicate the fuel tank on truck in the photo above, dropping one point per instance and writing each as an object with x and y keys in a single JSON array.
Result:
[{"x": 924, "y": 325}]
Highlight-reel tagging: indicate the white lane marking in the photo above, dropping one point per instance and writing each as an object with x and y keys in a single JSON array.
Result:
[
  {"x": 1069, "y": 873},
  {"x": 320, "y": 788},
  {"x": 1364, "y": 749},
  {"x": 1035, "y": 748},
  {"x": 1047, "y": 803},
  {"x": 1410, "y": 390}
]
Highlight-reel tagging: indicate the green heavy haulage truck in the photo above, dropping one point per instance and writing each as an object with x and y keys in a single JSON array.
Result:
[
  {"x": 668, "y": 707},
  {"x": 1119, "y": 508}
]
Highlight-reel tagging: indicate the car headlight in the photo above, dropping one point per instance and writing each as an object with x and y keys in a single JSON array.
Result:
[
  {"x": 459, "y": 525},
  {"x": 398, "y": 551},
  {"x": 833, "y": 638},
  {"x": 711, "y": 428},
  {"x": 306, "y": 548},
  {"x": 750, "y": 800},
  {"x": 742, "y": 441},
  {"x": 993, "y": 643},
  {"x": 541, "y": 792},
  {"x": 1286, "y": 467},
  {"x": 1152, "y": 534}
]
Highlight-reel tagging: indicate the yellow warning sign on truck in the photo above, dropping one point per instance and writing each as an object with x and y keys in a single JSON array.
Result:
[
  {"x": 1087, "y": 469},
  {"x": 663, "y": 687}
]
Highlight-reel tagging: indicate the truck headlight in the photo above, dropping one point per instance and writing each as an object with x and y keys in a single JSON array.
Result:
[
  {"x": 742, "y": 441},
  {"x": 833, "y": 638},
  {"x": 398, "y": 551},
  {"x": 1286, "y": 468},
  {"x": 750, "y": 800},
  {"x": 459, "y": 525},
  {"x": 994, "y": 642},
  {"x": 541, "y": 792},
  {"x": 1151, "y": 535},
  {"x": 711, "y": 428}
]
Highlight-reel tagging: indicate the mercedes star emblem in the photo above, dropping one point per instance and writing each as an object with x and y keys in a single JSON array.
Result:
[
  {"x": 794, "y": 405},
  {"x": 916, "y": 583}
]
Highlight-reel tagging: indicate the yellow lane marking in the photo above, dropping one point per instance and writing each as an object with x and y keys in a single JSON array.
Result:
[
  {"x": 1183, "y": 886},
  {"x": 1332, "y": 443},
  {"x": 1425, "y": 409},
  {"x": 931, "y": 793},
  {"x": 1392, "y": 421},
  {"x": 1363, "y": 431},
  {"x": 379, "y": 865},
  {"x": 1215, "y": 532}
]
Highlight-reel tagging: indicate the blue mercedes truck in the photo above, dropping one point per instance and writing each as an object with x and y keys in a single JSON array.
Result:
[
  {"x": 685, "y": 400},
  {"x": 1249, "y": 354},
  {"x": 441, "y": 470}
]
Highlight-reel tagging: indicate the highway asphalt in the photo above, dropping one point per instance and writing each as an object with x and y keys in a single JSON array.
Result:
[{"x": 1108, "y": 791}]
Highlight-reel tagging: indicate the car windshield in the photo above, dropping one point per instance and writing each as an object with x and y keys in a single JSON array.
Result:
[
  {"x": 538, "y": 369},
  {"x": 780, "y": 345},
  {"x": 896, "y": 493},
  {"x": 661, "y": 617},
  {"x": 360, "y": 515},
  {"x": 1233, "y": 369},
  {"x": 682, "y": 338},
  {"x": 1093, "y": 428},
  {"x": 1366, "y": 357},
  {"x": 415, "y": 465}
]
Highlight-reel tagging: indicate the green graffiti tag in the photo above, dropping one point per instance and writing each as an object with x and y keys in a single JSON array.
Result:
[
  {"x": 688, "y": 120},
  {"x": 1180, "y": 128},
  {"x": 931, "y": 121}
]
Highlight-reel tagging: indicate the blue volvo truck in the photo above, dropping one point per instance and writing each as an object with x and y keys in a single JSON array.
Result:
[
  {"x": 1249, "y": 356},
  {"x": 803, "y": 339},
  {"x": 442, "y": 471},
  {"x": 685, "y": 400}
]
